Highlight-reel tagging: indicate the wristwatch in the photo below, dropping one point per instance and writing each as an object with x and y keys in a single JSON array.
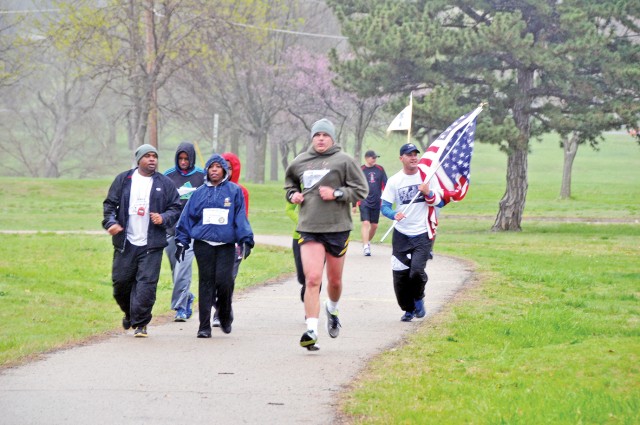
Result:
[{"x": 338, "y": 194}]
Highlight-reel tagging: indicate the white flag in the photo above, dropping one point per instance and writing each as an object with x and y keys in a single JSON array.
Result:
[{"x": 402, "y": 121}]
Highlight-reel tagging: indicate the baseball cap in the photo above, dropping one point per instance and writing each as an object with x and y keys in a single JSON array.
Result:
[
  {"x": 408, "y": 148},
  {"x": 371, "y": 154}
]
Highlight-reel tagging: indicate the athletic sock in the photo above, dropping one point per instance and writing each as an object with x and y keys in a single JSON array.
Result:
[
  {"x": 312, "y": 324},
  {"x": 333, "y": 306}
]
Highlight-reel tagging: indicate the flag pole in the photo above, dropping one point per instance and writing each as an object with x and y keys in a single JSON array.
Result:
[
  {"x": 199, "y": 153},
  {"x": 428, "y": 178}
]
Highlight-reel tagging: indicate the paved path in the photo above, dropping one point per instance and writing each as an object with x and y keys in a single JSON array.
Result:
[{"x": 256, "y": 374}]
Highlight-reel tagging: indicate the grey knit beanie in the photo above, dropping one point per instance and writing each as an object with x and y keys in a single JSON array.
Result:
[
  {"x": 143, "y": 150},
  {"x": 325, "y": 126}
]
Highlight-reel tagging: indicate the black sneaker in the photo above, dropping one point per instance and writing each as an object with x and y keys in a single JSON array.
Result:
[
  {"x": 226, "y": 327},
  {"x": 126, "y": 323},
  {"x": 141, "y": 332},
  {"x": 333, "y": 323},
  {"x": 407, "y": 316},
  {"x": 308, "y": 341},
  {"x": 204, "y": 334}
]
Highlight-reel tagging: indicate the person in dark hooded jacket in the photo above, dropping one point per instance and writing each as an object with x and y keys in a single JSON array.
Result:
[
  {"x": 187, "y": 177},
  {"x": 235, "y": 168},
  {"x": 215, "y": 218}
]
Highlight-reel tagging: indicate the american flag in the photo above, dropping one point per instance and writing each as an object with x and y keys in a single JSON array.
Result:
[{"x": 449, "y": 157}]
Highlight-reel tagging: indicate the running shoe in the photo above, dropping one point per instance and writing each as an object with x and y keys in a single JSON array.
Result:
[
  {"x": 308, "y": 341},
  {"x": 420, "y": 312},
  {"x": 408, "y": 316},
  {"x": 141, "y": 332},
  {"x": 204, "y": 334},
  {"x": 367, "y": 250},
  {"x": 181, "y": 315},
  {"x": 226, "y": 328},
  {"x": 333, "y": 323},
  {"x": 126, "y": 323},
  {"x": 215, "y": 322},
  {"x": 189, "y": 310}
]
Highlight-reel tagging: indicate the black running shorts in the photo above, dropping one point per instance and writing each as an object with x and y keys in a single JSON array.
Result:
[
  {"x": 372, "y": 215},
  {"x": 335, "y": 244}
]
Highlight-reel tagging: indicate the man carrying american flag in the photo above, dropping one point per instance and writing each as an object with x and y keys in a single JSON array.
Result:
[{"x": 416, "y": 195}]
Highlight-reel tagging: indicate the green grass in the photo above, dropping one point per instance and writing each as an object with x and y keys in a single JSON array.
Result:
[
  {"x": 55, "y": 289},
  {"x": 548, "y": 333}
]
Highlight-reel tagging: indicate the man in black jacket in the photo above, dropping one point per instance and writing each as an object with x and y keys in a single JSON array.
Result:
[{"x": 140, "y": 206}]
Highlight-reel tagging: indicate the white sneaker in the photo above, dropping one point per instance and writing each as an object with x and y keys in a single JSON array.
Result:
[
  {"x": 215, "y": 321},
  {"x": 367, "y": 250}
]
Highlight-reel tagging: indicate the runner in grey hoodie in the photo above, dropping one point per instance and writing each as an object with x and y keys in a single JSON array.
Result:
[{"x": 332, "y": 180}]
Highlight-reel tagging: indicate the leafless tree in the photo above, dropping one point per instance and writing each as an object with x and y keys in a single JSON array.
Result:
[{"x": 42, "y": 113}]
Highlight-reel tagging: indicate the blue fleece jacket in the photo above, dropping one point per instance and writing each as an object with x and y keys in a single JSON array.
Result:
[{"x": 225, "y": 203}]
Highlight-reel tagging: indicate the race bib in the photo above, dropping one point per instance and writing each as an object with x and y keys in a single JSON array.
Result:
[
  {"x": 217, "y": 216},
  {"x": 138, "y": 208},
  {"x": 311, "y": 177}
]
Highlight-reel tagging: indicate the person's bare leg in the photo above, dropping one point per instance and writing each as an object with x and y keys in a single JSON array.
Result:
[
  {"x": 372, "y": 230},
  {"x": 313, "y": 255},
  {"x": 365, "y": 231},
  {"x": 335, "y": 265}
]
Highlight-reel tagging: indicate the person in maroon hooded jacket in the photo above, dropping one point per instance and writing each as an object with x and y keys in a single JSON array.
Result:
[{"x": 235, "y": 168}]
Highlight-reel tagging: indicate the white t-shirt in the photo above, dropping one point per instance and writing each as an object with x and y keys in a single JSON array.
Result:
[
  {"x": 400, "y": 190},
  {"x": 139, "y": 209}
]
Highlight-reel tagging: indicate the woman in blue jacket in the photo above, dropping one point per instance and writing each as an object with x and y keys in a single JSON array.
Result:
[{"x": 215, "y": 217}]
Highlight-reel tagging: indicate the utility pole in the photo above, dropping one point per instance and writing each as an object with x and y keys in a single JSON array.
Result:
[{"x": 152, "y": 121}]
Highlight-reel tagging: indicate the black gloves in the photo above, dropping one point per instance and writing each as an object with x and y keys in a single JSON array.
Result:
[
  {"x": 246, "y": 250},
  {"x": 180, "y": 250}
]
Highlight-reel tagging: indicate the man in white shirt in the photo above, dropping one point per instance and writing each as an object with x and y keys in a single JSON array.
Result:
[
  {"x": 414, "y": 230},
  {"x": 140, "y": 206}
]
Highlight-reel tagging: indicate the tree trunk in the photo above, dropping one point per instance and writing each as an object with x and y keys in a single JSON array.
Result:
[
  {"x": 55, "y": 151},
  {"x": 234, "y": 143},
  {"x": 359, "y": 133},
  {"x": 256, "y": 156},
  {"x": 112, "y": 138},
  {"x": 512, "y": 203},
  {"x": 284, "y": 155},
  {"x": 53, "y": 157},
  {"x": 570, "y": 146},
  {"x": 273, "y": 150},
  {"x": 139, "y": 116},
  {"x": 131, "y": 126}
]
